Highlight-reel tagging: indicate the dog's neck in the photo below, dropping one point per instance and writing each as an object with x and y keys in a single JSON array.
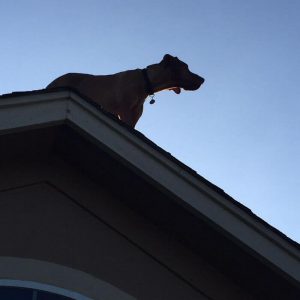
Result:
[
  {"x": 148, "y": 85},
  {"x": 157, "y": 79}
]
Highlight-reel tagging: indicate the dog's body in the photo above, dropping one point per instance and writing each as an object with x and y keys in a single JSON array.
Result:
[{"x": 123, "y": 94}]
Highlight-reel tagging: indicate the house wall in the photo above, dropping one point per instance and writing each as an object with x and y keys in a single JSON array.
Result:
[{"x": 51, "y": 212}]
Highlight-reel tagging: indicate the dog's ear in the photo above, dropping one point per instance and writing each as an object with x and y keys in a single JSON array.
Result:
[{"x": 166, "y": 60}]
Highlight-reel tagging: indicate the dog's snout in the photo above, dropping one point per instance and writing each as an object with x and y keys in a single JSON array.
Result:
[
  {"x": 193, "y": 82},
  {"x": 198, "y": 81},
  {"x": 201, "y": 79}
]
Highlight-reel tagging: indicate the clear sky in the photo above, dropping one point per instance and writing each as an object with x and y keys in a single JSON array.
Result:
[{"x": 241, "y": 130}]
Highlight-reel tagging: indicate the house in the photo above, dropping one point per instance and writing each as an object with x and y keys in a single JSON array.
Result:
[{"x": 92, "y": 209}]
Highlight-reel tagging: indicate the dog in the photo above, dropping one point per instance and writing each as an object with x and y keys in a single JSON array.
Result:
[{"x": 123, "y": 94}]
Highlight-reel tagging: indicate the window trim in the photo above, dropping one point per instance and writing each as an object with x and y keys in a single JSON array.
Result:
[
  {"x": 42, "y": 287},
  {"x": 59, "y": 279}
]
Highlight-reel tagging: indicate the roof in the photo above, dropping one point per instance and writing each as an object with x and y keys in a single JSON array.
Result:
[
  {"x": 221, "y": 220},
  {"x": 160, "y": 150}
]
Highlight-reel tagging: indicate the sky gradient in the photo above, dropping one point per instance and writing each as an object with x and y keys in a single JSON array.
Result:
[{"x": 240, "y": 130}]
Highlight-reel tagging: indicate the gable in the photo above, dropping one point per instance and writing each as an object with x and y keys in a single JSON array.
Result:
[{"x": 156, "y": 185}]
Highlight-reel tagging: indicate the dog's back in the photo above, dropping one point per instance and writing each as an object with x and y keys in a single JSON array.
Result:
[{"x": 71, "y": 80}]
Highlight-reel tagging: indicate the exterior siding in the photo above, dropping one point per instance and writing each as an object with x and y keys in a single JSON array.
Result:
[{"x": 51, "y": 212}]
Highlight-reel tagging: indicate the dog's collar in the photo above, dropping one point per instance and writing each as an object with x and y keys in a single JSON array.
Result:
[{"x": 149, "y": 88}]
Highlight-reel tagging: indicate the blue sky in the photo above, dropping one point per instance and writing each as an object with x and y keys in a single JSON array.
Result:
[{"x": 240, "y": 130}]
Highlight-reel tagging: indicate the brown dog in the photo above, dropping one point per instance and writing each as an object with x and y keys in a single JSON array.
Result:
[{"x": 123, "y": 94}]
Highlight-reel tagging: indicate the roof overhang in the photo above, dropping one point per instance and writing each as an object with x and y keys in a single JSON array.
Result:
[{"x": 190, "y": 191}]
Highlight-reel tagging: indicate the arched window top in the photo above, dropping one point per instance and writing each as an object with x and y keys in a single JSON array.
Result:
[
  {"x": 17, "y": 293},
  {"x": 43, "y": 280},
  {"x": 27, "y": 290}
]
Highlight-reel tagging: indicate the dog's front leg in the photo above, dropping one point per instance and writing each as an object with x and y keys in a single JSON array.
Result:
[{"x": 131, "y": 117}]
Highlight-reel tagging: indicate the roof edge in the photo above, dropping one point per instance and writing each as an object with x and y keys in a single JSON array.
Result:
[{"x": 195, "y": 193}]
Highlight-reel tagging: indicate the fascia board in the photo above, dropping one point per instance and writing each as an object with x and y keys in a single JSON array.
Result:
[
  {"x": 33, "y": 110},
  {"x": 68, "y": 106},
  {"x": 193, "y": 192}
]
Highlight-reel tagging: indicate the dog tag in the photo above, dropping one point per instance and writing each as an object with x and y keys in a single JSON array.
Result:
[{"x": 152, "y": 101}]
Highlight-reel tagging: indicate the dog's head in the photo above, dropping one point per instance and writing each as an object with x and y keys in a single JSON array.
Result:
[{"x": 181, "y": 74}]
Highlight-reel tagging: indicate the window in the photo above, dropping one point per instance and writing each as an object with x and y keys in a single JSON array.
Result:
[{"x": 17, "y": 293}]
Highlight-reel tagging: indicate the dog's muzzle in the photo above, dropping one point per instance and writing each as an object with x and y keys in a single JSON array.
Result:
[{"x": 194, "y": 83}]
